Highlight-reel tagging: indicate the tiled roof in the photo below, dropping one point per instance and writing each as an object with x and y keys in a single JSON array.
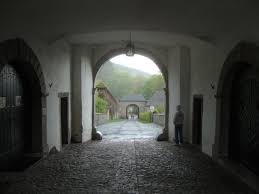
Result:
[
  {"x": 134, "y": 98},
  {"x": 157, "y": 98}
]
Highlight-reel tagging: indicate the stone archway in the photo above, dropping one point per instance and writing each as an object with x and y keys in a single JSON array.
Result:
[
  {"x": 18, "y": 54},
  {"x": 244, "y": 57},
  {"x": 135, "y": 110},
  {"x": 145, "y": 52}
]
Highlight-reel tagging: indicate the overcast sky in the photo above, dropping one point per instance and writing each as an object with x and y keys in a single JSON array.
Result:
[{"x": 137, "y": 62}]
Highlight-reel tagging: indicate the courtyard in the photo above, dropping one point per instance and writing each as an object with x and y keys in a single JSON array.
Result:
[{"x": 128, "y": 129}]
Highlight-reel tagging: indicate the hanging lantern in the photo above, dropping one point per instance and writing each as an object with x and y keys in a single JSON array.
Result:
[{"x": 130, "y": 49}]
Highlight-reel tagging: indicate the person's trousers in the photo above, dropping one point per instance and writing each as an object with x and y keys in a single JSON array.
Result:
[{"x": 178, "y": 134}]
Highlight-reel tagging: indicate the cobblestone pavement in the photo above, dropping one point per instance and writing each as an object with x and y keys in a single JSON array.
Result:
[
  {"x": 129, "y": 129},
  {"x": 124, "y": 166}
]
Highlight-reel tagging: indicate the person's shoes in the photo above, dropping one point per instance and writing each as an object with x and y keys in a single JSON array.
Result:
[{"x": 176, "y": 144}]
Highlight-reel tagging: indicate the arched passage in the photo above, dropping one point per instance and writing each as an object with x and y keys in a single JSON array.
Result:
[
  {"x": 145, "y": 52},
  {"x": 23, "y": 105},
  {"x": 132, "y": 111},
  {"x": 237, "y": 134}
]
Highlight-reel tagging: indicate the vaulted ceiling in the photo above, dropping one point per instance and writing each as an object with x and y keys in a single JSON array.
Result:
[{"x": 211, "y": 20}]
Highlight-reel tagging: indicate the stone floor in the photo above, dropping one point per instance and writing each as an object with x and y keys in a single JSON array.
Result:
[
  {"x": 136, "y": 165},
  {"x": 124, "y": 166},
  {"x": 129, "y": 129}
]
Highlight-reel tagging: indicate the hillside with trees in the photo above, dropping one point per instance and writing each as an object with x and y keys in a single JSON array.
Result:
[{"x": 122, "y": 81}]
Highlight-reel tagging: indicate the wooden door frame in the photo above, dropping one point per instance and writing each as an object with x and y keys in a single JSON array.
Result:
[
  {"x": 18, "y": 51},
  {"x": 199, "y": 97},
  {"x": 64, "y": 95}
]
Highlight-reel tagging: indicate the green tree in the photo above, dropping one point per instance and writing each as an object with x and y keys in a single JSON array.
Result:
[
  {"x": 154, "y": 83},
  {"x": 101, "y": 105},
  {"x": 160, "y": 109},
  {"x": 145, "y": 117},
  {"x": 122, "y": 81},
  {"x": 100, "y": 84}
]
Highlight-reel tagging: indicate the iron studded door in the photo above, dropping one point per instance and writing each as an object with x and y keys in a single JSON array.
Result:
[
  {"x": 246, "y": 120},
  {"x": 11, "y": 117}
]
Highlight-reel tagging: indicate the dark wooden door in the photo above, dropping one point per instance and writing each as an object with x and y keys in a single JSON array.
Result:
[
  {"x": 244, "y": 136},
  {"x": 64, "y": 120},
  {"x": 11, "y": 117},
  {"x": 197, "y": 120}
]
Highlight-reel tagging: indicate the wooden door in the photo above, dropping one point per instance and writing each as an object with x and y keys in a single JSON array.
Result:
[
  {"x": 197, "y": 120},
  {"x": 11, "y": 117},
  {"x": 244, "y": 134},
  {"x": 64, "y": 120}
]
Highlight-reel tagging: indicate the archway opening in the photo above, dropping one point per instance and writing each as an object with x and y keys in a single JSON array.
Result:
[
  {"x": 237, "y": 110},
  {"x": 132, "y": 112},
  {"x": 129, "y": 88},
  {"x": 20, "y": 108},
  {"x": 241, "y": 115}
]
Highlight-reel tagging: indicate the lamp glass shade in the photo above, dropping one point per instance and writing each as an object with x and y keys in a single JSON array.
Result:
[{"x": 130, "y": 50}]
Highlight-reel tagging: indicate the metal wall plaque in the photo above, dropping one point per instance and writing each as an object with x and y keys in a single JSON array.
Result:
[{"x": 2, "y": 102}]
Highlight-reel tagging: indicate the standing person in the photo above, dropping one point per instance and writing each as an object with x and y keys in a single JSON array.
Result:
[{"x": 178, "y": 123}]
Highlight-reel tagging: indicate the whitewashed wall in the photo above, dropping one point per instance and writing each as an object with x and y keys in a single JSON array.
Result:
[
  {"x": 206, "y": 64},
  {"x": 81, "y": 94},
  {"x": 55, "y": 62}
]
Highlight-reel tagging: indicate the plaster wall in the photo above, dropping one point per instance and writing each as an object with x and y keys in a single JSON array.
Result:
[
  {"x": 101, "y": 50},
  {"x": 173, "y": 86},
  {"x": 206, "y": 64},
  {"x": 55, "y": 61}
]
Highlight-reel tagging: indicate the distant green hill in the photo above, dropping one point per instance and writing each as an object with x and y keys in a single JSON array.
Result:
[
  {"x": 109, "y": 67},
  {"x": 123, "y": 81}
]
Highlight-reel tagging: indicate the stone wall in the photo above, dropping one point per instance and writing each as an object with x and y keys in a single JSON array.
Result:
[
  {"x": 112, "y": 102},
  {"x": 101, "y": 118},
  {"x": 159, "y": 119}
]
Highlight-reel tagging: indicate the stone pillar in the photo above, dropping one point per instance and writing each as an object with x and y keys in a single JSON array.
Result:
[
  {"x": 96, "y": 135},
  {"x": 76, "y": 100},
  {"x": 81, "y": 100},
  {"x": 173, "y": 87},
  {"x": 178, "y": 87},
  {"x": 94, "y": 129},
  {"x": 216, "y": 152},
  {"x": 166, "y": 112},
  {"x": 185, "y": 98},
  {"x": 45, "y": 147},
  {"x": 164, "y": 135}
]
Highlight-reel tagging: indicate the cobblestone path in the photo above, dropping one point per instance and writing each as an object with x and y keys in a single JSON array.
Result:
[
  {"x": 129, "y": 129},
  {"x": 124, "y": 166}
]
